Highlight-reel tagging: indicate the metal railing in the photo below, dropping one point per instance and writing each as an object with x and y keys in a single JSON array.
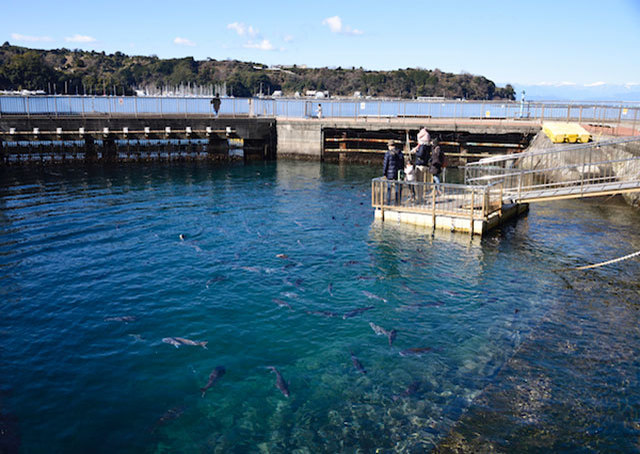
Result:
[
  {"x": 569, "y": 171},
  {"x": 456, "y": 200},
  {"x": 63, "y": 105}
]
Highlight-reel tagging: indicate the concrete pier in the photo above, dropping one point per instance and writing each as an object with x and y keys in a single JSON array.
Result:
[{"x": 307, "y": 138}]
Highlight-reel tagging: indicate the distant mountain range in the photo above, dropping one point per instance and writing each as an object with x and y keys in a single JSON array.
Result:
[{"x": 575, "y": 92}]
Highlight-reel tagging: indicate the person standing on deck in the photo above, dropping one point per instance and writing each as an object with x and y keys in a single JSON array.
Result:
[
  {"x": 436, "y": 162},
  {"x": 391, "y": 166},
  {"x": 423, "y": 153}
]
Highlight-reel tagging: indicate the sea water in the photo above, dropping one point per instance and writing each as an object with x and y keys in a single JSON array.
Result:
[{"x": 263, "y": 261}]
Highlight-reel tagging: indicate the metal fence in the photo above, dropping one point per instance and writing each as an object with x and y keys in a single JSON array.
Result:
[
  {"x": 457, "y": 200},
  {"x": 320, "y": 108},
  {"x": 574, "y": 170}
]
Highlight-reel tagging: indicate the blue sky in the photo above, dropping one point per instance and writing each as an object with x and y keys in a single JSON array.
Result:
[{"x": 575, "y": 43}]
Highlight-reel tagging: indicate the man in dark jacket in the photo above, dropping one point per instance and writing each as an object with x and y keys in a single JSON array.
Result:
[
  {"x": 436, "y": 162},
  {"x": 392, "y": 165}
]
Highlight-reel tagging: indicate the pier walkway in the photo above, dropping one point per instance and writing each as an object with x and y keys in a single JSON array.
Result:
[{"x": 501, "y": 187}]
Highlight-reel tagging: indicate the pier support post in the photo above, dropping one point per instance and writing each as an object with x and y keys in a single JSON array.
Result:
[
  {"x": 109, "y": 151},
  {"x": 90, "y": 153},
  {"x": 217, "y": 147}
]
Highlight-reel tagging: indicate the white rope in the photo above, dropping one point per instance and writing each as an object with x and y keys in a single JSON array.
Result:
[{"x": 608, "y": 262}]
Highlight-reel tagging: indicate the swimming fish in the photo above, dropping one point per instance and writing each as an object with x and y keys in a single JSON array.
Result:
[
  {"x": 178, "y": 341},
  {"x": 281, "y": 303},
  {"x": 357, "y": 364},
  {"x": 324, "y": 313},
  {"x": 380, "y": 331},
  {"x": 181, "y": 236},
  {"x": 215, "y": 374},
  {"x": 374, "y": 296},
  {"x": 410, "y": 391},
  {"x": 169, "y": 415},
  {"x": 124, "y": 318},
  {"x": 330, "y": 288},
  {"x": 280, "y": 383},
  {"x": 415, "y": 351},
  {"x": 282, "y": 256},
  {"x": 357, "y": 311}
]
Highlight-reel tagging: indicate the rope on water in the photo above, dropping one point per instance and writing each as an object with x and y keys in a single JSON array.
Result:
[{"x": 608, "y": 262}]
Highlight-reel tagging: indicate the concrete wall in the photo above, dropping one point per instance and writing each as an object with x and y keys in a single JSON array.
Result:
[{"x": 299, "y": 138}]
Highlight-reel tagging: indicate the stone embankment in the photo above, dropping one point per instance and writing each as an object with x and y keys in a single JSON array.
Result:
[{"x": 623, "y": 170}]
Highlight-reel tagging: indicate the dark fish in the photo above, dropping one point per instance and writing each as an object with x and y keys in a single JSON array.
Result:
[
  {"x": 280, "y": 383},
  {"x": 406, "y": 287},
  {"x": 215, "y": 374},
  {"x": 392, "y": 336},
  {"x": 365, "y": 278},
  {"x": 324, "y": 313},
  {"x": 169, "y": 415},
  {"x": 125, "y": 319},
  {"x": 351, "y": 262},
  {"x": 357, "y": 311},
  {"x": 215, "y": 279},
  {"x": 330, "y": 288},
  {"x": 357, "y": 364},
  {"x": 281, "y": 303},
  {"x": 410, "y": 391},
  {"x": 415, "y": 351}
]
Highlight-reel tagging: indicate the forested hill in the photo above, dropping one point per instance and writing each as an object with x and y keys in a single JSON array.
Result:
[{"x": 77, "y": 71}]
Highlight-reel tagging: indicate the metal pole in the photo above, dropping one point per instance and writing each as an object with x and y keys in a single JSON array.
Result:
[
  {"x": 620, "y": 115},
  {"x": 472, "y": 207},
  {"x": 55, "y": 105},
  {"x": 135, "y": 105}
]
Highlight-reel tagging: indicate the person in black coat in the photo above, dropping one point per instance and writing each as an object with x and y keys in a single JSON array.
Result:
[
  {"x": 392, "y": 165},
  {"x": 436, "y": 162}
]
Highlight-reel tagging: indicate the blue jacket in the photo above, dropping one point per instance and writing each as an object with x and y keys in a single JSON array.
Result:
[{"x": 393, "y": 163}]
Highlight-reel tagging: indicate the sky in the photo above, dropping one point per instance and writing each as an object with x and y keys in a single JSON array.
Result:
[{"x": 561, "y": 43}]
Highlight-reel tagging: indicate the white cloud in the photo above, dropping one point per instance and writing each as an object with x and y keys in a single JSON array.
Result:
[
  {"x": 80, "y": 39},
  {"x": 631, "y": 84},
  {"x": 243, "y": 29},
  {"x": 595, "y": 84},
  {"x": 336, "y": 26},
  {"x": 262, "y": 45},
  {"x": 288, "y": 38},
  {"x": 30, "y": 39},
  {"x": 183, "y": 42}
]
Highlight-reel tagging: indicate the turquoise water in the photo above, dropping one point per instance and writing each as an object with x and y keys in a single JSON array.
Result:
[{"x": 269, "y": 253}]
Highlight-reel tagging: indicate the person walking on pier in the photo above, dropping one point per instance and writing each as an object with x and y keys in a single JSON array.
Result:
[
  {"x": 392, "y": 165},
  {"x": 436, "y": 162}
]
